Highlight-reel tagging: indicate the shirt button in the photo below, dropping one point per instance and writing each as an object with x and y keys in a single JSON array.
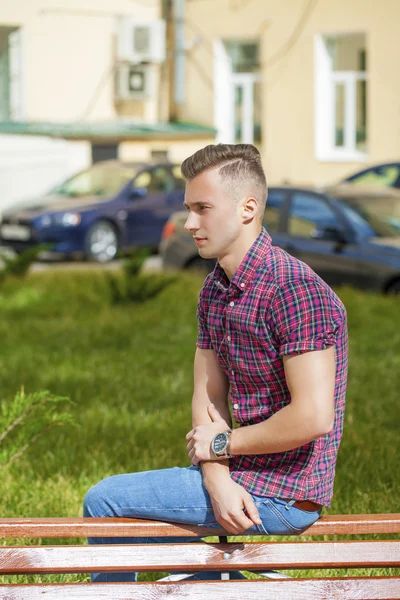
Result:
[
  {"x": 231, "y": 304},
  {"x": 242, "y": 285},
  {"x": 229, "y": 338},
  {"x": 233, "y": 372},
  {"x": 236, "y": 406}
]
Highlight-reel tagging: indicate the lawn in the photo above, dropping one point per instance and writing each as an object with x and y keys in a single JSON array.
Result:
[{"x": 127, "y": 369}]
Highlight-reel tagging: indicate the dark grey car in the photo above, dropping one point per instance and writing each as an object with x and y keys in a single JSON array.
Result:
[{"x": 349, "y": 235}]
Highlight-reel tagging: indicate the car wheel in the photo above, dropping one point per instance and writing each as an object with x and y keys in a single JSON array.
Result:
[
  {"x": 394, "y": 288},
  {"x": 101, "y": 242},
  {"x": 201, "y": 265}
]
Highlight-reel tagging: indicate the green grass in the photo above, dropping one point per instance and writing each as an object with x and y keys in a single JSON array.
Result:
[{"x": 128, "y": 370}]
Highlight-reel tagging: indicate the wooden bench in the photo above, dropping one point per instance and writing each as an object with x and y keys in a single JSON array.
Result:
[{"x": 260, "y": 557}]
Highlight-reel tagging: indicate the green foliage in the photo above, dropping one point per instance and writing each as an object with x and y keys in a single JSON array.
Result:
[
  {"x": 18, "y": 266},
  {"x": 128, "y": 368},
  {"x": 137, "y": 289},
  {"x": 131, "y": 286},
  {"x": 25, "y": 419},
  {"x": 135, "y": 261}
]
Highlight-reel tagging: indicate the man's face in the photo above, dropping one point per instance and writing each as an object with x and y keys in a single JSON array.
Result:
[{"x": 214, "y": 217}]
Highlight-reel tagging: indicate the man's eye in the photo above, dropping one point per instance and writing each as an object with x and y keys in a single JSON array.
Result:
[{"x": 203, "y": 207}]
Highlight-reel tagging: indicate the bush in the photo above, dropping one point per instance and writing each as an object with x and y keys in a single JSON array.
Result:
[
  {"x": 18, "y": 266},
  {"x": 134, "y": 287},
  {"x": 135, "y": 261}
]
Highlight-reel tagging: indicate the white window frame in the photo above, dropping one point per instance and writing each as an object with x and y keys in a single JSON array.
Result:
[
  {"x": 245, "y": 81},
  {"x": 325, "y": 83},
  {"x": 223, "y": 95},
  {"x": 225, "y": 84},
  {"x": 16, "y": 75}
]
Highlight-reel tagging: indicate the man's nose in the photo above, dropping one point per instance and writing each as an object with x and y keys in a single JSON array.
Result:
[{"x": 191, "y": 224}]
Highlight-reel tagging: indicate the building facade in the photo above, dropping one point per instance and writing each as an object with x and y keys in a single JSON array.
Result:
[
  {"x": 94, "y": 70},
  {"x": 314, "y": 83}
]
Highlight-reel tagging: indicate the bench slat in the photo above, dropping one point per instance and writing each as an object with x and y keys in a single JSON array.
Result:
[
  {"x": 118, "y": 527},
  {"x": 371, "y": 588},
  {"x": 197, "y": 557}
]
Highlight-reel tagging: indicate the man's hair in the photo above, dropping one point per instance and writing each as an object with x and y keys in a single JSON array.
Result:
[{"x": 239, "y": 165}]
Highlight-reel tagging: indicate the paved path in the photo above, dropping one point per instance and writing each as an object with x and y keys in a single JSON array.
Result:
[{"x": 152, "y": 264}]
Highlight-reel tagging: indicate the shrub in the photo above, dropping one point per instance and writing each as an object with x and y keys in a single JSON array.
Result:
[
  {"x": 134, "y": 287},
  {"x": 18, "y": 266}
]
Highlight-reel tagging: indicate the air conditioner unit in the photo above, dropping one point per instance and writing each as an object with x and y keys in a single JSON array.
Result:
[
  {"x": 141, "y": 41},
  {"x": 135, "y": 82}
]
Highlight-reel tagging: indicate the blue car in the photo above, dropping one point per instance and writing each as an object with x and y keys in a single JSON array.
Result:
[
  {"x": 109, "y": 208},
  {"x": 348, "y": 234}
]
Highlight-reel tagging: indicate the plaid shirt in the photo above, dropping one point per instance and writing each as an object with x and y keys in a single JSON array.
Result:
[{"x": 275, "y": 305}]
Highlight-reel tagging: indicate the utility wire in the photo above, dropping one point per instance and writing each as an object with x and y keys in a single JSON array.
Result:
[
  {"x": 107, "y": 73},
  {"x": 282, "y": 51},
  {"x": 196, "y": 29},
  {"x": 202, "y": 72},
  {"x": 279, "y": 54},
  {"x": 237, "y": 5},
  {"x": 293, "y": 38}
]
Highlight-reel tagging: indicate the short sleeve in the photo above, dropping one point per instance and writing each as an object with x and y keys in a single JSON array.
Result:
[
  {"x": 306, "y": 315},
  {"x": 203, "y": 336}
]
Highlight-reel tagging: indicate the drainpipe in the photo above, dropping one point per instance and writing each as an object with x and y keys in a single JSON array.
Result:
[
  {"x": 173, "y": 11},
  {"x": 179, "y": 80}
]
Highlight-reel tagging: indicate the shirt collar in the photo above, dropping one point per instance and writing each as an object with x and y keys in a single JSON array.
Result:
[{"x": 248, "y": 267}]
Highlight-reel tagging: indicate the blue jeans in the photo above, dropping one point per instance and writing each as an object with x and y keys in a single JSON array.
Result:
[{"x": 178, "y": 495}]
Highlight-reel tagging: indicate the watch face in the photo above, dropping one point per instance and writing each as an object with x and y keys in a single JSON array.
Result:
[{"x": 220, "y": 442}]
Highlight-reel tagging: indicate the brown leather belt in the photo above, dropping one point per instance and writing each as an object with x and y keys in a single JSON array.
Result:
[{"x": 305, "y": 505}]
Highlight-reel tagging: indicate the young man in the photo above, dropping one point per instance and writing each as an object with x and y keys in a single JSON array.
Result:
[{"x": 271, "y": 349}]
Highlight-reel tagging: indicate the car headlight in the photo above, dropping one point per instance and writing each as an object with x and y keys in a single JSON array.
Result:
[
  {"x": 45, "y": 221},
  {"x": 70, "y": 219}
]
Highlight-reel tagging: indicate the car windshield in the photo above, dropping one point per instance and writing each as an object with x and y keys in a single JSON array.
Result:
[
  {"x": 386, "y": 175},
  {"x": 102, "y": 181},
  {"x": 374, "y": 216}
]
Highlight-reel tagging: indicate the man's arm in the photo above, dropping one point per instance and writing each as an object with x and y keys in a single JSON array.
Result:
[
  {"x": 211, "y": 385},
  {"x": 311, "y": 381},
  {"x": 233, "y": 507}
]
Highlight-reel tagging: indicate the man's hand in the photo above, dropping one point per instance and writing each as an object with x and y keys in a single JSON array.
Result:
[
  {"x": 200, "y": 438},
  {"x": 233, "y": 507}
]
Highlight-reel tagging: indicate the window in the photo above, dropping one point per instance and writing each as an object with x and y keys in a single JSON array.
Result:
[
  {"x": 180, "y": 181},
  {"x": 373, "y": 216},
  {"x": 238, "y": 109},
  {"x": 157, "y": 181},
  {"x": 10, "y": 74},
  {"x": 245, "y": 56},
  {"x": 100, "y": 180},
  {"x": 142, "y": 180},
  {"x": 104, "y": 152},
  {"x": 311, "y": 216},
  {"x": 341, "y": 97},
  {"x": 273, "y": 209},
  {"x": 161, "y": 181},
  {"x": 160, "y": 156},
  {"x": 386, "y": 175}
]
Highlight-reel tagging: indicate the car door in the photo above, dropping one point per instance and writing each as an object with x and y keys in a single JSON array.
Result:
[
  {"x": 149, "y": 211},
  {"x": 314, "y": 229}
]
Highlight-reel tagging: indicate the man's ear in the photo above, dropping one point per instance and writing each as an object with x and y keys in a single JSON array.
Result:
[{"x": 249, "y": 209}]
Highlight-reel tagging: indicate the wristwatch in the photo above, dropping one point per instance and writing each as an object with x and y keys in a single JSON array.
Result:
[{"x": 220, "y": 444}]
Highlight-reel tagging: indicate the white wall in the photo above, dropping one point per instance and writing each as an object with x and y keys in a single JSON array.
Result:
[{"x": 30, "y": 165}]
